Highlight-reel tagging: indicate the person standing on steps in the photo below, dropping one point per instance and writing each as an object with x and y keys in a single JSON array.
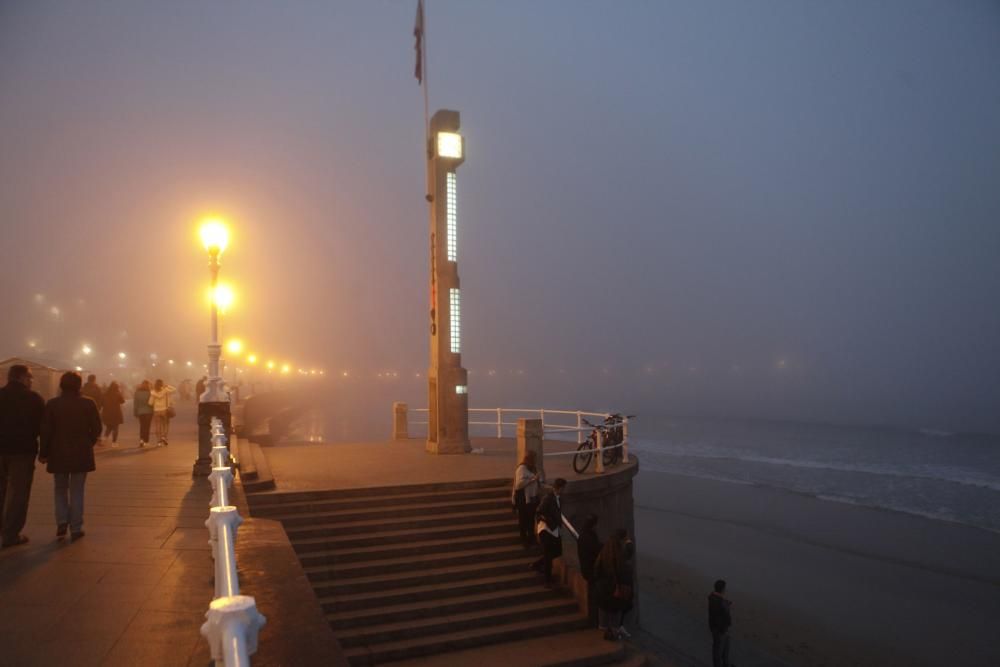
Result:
[
  {"x": 71, "y": 426},
  {"x": 609, "y": 589},
  {"x": 524, "y": 497},
  {"x": 163, "y": 410},
  {"x": 548, "y": 522},
  {"x": 588, "y": 547},
  {"x": 143, "y": 411},
  {"x": 111, "y": 414},
  {"x": 21, "y": 412},
  {"x": 719, "y": 621}
]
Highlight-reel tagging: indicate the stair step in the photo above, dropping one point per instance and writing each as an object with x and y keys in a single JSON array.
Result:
[
  {"x": 456, "y": 621},
  {"x": 577, "y": 648},
  {"x": 384, "y": 583},
  {"x": 389, "y": 500},
  {"x": 416, "y": 563},
  {"x": 326, "y": 494},
  {"x": 390, "y": 609},
  {"x": 464, "y": 639},
  {"x": 420, "y": 509},
  {"x": 390, "y": 523},
  {"x": 389, "y": 537},
  {"x": 412, "y": 548}
]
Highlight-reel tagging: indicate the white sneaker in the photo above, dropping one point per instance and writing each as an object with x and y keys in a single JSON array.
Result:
[{"x": 622, "y": 632}]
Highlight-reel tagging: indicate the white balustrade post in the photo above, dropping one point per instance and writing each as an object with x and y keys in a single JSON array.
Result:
[
  {"x": 599, "y": 467},
  {"x": 231, "y": 628},
  {"x": 499, "y": 423},
  {"x": 625, "y": 440},
  {"x": 221, "y": 479},
  {"x": 222, "y": 523},
  {"x": 541, "y": 415},
  {"x": 579, "y": 427}
]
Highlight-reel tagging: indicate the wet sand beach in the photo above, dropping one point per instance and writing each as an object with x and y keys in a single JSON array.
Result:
[{"x": 814, "y": 582}]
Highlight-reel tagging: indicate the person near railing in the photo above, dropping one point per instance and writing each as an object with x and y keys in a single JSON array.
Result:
[
  {"x": 524, "y": 497},
  {"x": 613, "y": 585},
  {"x": 547, "y": 527}
]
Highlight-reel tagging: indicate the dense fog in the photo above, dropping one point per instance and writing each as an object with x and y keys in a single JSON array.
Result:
[{"x": 783, "y": 211}]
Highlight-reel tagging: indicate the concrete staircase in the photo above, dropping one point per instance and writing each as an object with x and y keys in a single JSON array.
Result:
[{"x": 411, "y": 571}]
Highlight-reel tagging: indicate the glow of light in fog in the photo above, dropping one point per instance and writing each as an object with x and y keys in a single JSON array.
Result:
[
  {"x": 32, "y": 344},
  {"x": 223, "y": 297},
  {"x": 190, "y": 364},
  {"x": 234, "y": 346},
  {"x": 251, "y": 359},
  {"x": 86, "y": 349},
  {"x": 214, "y": 235},
  {"x": 122, "y": 355},
  {"x": 285, "y": 368},
  {"x": 270, "y": 365}
]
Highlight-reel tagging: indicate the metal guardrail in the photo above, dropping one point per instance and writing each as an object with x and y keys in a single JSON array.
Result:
[
  {"x": 233, "y": 621},
  {"x": 579, "y": 429}
]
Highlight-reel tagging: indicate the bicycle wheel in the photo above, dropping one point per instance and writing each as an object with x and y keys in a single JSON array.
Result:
[
  {"x": 584, "y": 453},
  {"x": 610, "y": 456}
]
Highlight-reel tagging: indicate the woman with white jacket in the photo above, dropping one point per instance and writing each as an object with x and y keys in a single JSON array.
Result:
[{"x": 163, "y": 411}]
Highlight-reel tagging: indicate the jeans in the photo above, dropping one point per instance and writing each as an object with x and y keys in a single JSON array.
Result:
[
  {"x": 720, "y": 649},
  {"x": 605, "y": 618},
  {"x": 69, "y": 499},
  {"x": 16, "y": 474},
  {"x": 161, "y": 424},
  {"x": 144, "y": 423}
]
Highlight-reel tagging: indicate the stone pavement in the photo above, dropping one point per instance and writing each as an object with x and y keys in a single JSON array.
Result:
[{"x": 134, "y": 590}]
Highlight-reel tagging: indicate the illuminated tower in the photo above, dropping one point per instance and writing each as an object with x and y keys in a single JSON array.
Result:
[{"x": 447, "y": 381}]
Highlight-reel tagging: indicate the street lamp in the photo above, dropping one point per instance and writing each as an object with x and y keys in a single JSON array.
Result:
[{"x": 213, "y": 402}]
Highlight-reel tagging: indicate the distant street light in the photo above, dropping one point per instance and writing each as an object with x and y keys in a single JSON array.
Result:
[
  {"x": 87, "y": 350},
  {"x": 234, "y": 346},
  {"x": 122, "y": 356},
  {"x": 252, "y": 359}
]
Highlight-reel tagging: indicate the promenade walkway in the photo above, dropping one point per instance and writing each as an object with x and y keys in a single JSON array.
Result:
[{"x": 134, "y": 590}]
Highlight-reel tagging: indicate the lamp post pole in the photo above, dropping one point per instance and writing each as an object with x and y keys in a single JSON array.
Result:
[{"x": 213, "y": 403}]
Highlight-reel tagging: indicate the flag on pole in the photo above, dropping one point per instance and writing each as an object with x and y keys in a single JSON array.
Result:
[{"x": 418, "y": 33}]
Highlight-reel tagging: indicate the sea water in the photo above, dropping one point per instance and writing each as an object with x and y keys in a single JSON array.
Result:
[{"x": 940, "y": 475}]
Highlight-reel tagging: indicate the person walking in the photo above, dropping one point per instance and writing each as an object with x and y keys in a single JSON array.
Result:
[
  {"x": 143, "y": 411},
  {"x": 20, "y": 422},
  {"x": 719, "y": 621},
  {"x": 92, "y": 390},
  {"x": 71, "y": 426},
  {"x": 525, "y": 496},
  {"x": 547, "y": 528},
  {"x": 608, "y": 586},
  {"x": 163, "y": 410},
  {"x": 199, "y": 388},
  {"x": 111, "y": 414}
]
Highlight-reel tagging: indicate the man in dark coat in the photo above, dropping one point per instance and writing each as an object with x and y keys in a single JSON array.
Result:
[
  {"x": 548, "y": 520},
  {"x": 20, "y": 420},
  {"x": 719, "y": 620},
  {"x": 588, "y": 546},
  {"x": 92, "y": 390},
  {"x": 70, "y": 429}
]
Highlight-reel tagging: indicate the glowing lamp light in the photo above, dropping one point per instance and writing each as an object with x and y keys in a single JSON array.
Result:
[
  {"x": 449, "y": 145},
  {"x": 251, "y": 359},
  {"x": 223, "y": 297},
  {"x": 189, "y": 364},
  {"x": 285, "y": 368},
  {"x": 234, "y": 346},
  {"x": 270, "y": 365},
  {"x": 122, "y": 355},
  {"x": 86, "y": 349},
  {"x": 214, "y": 236},
  {"x": 32, "y": 344}
]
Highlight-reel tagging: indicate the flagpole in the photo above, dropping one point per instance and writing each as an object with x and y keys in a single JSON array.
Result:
[{"x": 427, "y": 117}]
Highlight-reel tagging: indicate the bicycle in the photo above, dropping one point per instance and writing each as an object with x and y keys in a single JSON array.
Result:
[{"x": 612, "y": 433}]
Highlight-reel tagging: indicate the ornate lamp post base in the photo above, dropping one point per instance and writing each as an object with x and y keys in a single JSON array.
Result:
[{"x": 206, "y": 411}]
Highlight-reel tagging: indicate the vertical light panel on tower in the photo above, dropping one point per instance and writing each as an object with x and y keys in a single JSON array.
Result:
[
  {"x": 455, "y": 310},
  {"x": 451, "y": 214}
]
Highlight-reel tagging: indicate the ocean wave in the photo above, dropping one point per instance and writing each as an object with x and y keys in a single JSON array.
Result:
[{"x": 953, "y": 475}]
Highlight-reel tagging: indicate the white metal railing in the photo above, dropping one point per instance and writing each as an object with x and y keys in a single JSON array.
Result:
[
  {"x": 553, "y": 428},
  {"x": 232, "y": 619}
]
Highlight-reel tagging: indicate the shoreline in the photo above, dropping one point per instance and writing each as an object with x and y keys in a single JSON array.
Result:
[{"x": 815, "y": 582}]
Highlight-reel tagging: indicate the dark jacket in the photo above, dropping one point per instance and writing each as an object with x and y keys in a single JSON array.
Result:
[
  {"x": 140, "y": 403},
  {"x": 588, "y": 546},
  {"x": 92, "y": 391},
  {"x": 719, "y": 619},
  {"x": 20, "y": 419},
  {"x": 111, "y": 413},
  {"x": 70, "y": 427},
  {"x": 549, "y": 510}
]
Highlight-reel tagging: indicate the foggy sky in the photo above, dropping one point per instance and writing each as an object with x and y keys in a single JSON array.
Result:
[{"x": 773, "y": 209}]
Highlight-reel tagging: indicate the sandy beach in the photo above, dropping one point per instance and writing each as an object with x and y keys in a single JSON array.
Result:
[{"x": 814, "y": 582}]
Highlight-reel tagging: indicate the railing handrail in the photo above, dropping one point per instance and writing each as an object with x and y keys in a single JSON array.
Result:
[{"x": 233, "y": 621}]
